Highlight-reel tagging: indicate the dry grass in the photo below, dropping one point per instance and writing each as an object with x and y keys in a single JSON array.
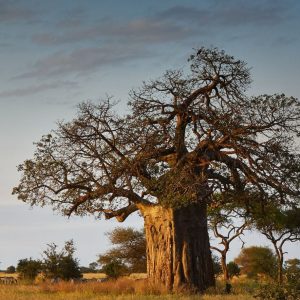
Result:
[
  {"x": 4, "y": 274},
  {"x": 94, "y": 275},
  {"x": 120, "y": 289}
]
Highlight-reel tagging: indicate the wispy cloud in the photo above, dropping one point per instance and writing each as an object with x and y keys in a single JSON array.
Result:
[
  {"x": 139, "y": 30},
  {"x": 15, "y": 11},
  {"x": 35, "y": 89},
  {"x": 73, "y": 17},
  {"x": 229, "y": 13},
  {"x": 91, "y": 44},
  {"x": 175, "y": 23},
  {"x": 81, "y": 61}
]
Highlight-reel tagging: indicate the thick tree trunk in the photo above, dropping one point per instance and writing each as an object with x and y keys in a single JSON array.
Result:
[{"x": 178, "y": 250}]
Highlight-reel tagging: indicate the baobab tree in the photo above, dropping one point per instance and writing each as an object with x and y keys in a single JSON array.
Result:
[{"x": 188, "y": 135}]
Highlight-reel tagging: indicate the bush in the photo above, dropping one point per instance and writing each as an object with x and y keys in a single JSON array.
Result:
[
  {"x": 28, "y": 268},
  {"x": 61, "y": 264},
  {"x": 233, "y": 269},
  {"x": 216, "y": 265},
  {"x": 277, "y": 292},
  {"x": 257, "y": 260},
  {"x": 115, "y": 269},
  {"x": 292, "y": 272},
  {"x": 11, "y": 270}
]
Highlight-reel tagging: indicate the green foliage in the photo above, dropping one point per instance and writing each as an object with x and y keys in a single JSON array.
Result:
[
  {"x": 271, "y": 217},
  {"x": 11, "y": 270},
  {"x": 233, "y": 269},
  {"x": 129, "y": 249},
  {"x": 277, "y": 292},
  {"x": 216, "y": 265},
  {"x": 292, "y": 272},
  {"x": 68, "y": 268},
  {"x": 257, "y": 260},
  {"x": 61, "y": 264},
  {"x": 28, "y": 269},
  {"x": 115, "y": 269},
  {"x": 92, "y": 268}
]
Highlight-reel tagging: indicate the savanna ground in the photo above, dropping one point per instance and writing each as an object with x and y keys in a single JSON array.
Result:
[{"x": 120, "y": 289}]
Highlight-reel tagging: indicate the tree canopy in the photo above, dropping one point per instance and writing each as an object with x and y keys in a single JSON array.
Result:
[
  {"x": 279, "y": 226},
  {"x": 227, "y": 223},
  {"x": 129, "y": 249},
  {"x": 198, "y": 127},
  {"x": 61, "y": 263},
  {"x": 256, "y": 260},
  {"x": 28, "y": 269}
]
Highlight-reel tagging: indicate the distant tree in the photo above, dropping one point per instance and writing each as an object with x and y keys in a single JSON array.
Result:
[
  {"x": 11, "y": 270},
  {"x": 233, "y": 269},
  {"x": 216, "y": 265},
  {"x": 93, "y": 266},
  {"x": 279, "y": 227},
  {"x": 69, "y": 268},
  {"x": 257, "y": 260},
  {"x": 114, "y": 269},
  {"x": 28, "y": 269},
  {"x": 227, "y": 222},
  {"x": 129, "y": 249},
  {"x": 61, "y": 264},
  {"x": 292, "y": 271}
]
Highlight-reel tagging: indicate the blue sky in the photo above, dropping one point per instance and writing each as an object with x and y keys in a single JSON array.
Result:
[{"x": 55, "y": 54}]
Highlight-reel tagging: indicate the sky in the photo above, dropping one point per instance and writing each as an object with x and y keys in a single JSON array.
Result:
[{"x": 56, "y": 54}]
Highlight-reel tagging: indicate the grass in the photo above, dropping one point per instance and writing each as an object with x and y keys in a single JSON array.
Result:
[
  {"x": 3, "y": 274},
  {"x": 122, "y": 289},
  {"x": 94, "y": 275}
]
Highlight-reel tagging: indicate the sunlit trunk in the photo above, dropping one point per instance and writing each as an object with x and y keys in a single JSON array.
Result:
[{"x": 178, "y": 250}]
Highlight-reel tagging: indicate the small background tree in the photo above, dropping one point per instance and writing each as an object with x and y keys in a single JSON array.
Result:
[
  {"x": 233, "y": 269},
  {"x": 92, "y": 268},
  {"x": 257, "y": 260},
  {"x": 11, "y": 270},
  {"x": 227, "y": 223},
  {"x": 279, "y": 227},
  {"x": 61, "y": 264},
  {"x": 292, "y": 272},
  {"x": 216, "y": 265},
  {"x": 28, "y": 269},
  {"x": 129, "y": 251},
  {"x": 114, "y": 269}
]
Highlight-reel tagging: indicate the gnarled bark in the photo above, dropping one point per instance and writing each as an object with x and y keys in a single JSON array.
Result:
[{"x": 178, "y": 250}]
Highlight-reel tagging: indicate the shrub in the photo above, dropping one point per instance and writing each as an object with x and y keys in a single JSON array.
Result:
[
  {"x": 61, "y": 264},
  {"x": 11, "y": 270},
  {"x": 114, "y": 269},
  {"x": 28, "y": 268},
  {"x": 233, "y": 269},
  {"x": 257, "y": 260},
  {"x": 277, "y": 292}
]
